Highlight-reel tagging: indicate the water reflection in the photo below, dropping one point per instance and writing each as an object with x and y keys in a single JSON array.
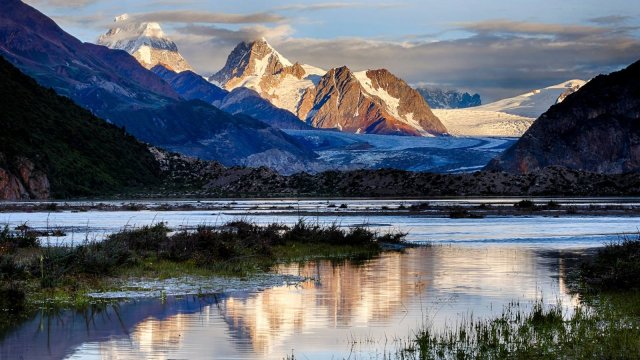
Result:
[{"x": 344, "y": 308}]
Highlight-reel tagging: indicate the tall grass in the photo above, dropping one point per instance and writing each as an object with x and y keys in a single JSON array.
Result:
[
  {"x": 236, "y": 248},
  {"x": 543, "y": 332}
]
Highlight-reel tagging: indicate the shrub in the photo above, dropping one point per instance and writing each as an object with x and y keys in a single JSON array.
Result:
[
  {"x": 615, "y": 266},
  {"x": 525, "y": 205},
  {"x": 24, "y": 238}
]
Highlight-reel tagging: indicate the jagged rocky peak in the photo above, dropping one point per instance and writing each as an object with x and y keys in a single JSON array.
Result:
[
  {"x": 373, "y": 101},
  {"x": 146, "y": 42},
  {"x": 250, "y": 59},
  {"x": 438, "y": 98},
  {"x": 258, "y": 66},
  {"x": 401, "y": 100}
]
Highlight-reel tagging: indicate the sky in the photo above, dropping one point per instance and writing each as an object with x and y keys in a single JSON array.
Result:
[{"x": 494, "y": 47}]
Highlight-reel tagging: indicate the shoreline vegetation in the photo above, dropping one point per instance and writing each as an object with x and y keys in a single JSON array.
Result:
[
  {"x": 33, "y": 276},
  {"x": 604, "y": 325}
]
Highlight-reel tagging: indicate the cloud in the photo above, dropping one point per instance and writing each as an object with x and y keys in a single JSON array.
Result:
[
  {"x": 223, "y": 36},
  {"x": 62, "y": 3},
  {"x": 610, "y": 20},
  {"x": 499, "y": 59},
  {"x": 520, "y": 28},
  {"x": 103, "y": 21},
  {"x": 335, "y": 5},
  {"x": 185, "y": 16}
]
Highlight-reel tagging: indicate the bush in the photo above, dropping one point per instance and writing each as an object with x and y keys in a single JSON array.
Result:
[
  {"x": 615, "y": 266},
  {"x": 144, "y": 239},
  {"x": 24, "y": 238},
  {"x": 12, "y": 298},
  {"x": 525, "y": 205}
]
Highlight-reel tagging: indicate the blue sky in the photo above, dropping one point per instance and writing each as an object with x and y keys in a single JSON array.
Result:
[{"x": 497, "y": 48}]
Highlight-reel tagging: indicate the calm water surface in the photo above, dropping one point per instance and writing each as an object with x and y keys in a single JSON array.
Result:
[{"x": 343, "y": 311}]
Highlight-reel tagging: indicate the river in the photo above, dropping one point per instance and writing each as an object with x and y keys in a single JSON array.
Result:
[{"x": 344, "y": 310}]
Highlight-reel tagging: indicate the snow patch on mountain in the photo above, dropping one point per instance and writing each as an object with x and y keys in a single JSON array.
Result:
[
  {"x": 507, "y": 117},
  {"x": 533, "y": 103},
  {"x": 392, "y": 104}
]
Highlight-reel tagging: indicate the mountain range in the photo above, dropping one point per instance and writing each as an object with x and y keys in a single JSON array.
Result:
[
  {"x": 145, "y": 88},
  {"x": 373, "y": 101},
  {"x": 508, "y": 117},
  {"x": 448, "y": 99},
  {"x": 114, "y": 86},
  {"x": 240, "y": 101}
]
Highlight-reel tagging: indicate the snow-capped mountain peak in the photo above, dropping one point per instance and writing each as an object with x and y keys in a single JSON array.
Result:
[
  {"x": 121, "y": 18},
  {"x": 146, "y": 41},
  {"x": 258, "y": 66}
]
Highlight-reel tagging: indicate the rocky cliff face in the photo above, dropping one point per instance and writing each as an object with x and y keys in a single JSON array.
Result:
[
  {"x": 449, "y": 99},
  {"x": 595, "y": 129},
  {"x": 373, "y": 102},
  {"x": 20, "y": 180},
  {"x": 146, "y": 42}
]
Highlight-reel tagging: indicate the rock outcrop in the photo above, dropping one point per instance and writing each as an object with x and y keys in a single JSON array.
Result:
[
  {"x": 21, "y": 180},
  {"x": 595, "y": 129}
]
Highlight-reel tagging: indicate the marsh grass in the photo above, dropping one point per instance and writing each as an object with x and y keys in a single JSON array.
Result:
[
  {"x": 541, "y": 332},
  {"x": 238, "y": 248},
  {"x": 605, "y": 325}
]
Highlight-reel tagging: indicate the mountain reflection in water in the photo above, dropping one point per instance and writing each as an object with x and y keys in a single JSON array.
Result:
[{"x": 345, "y": 307}]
